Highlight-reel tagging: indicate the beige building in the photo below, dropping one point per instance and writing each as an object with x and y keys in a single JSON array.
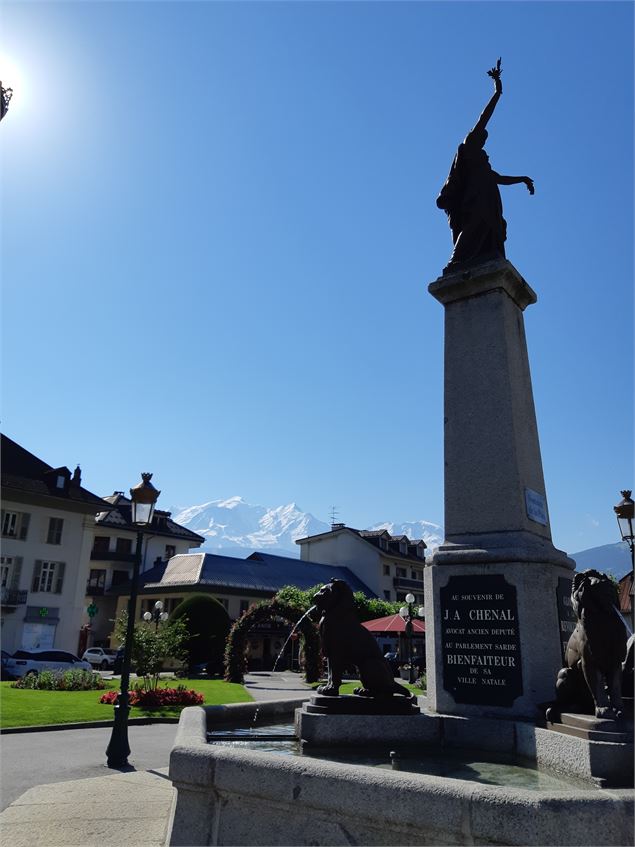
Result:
[
  {"x": 48, "y": 522},
  {"x": 391, "y": 566},
  {"x": 112, "y": 556}
]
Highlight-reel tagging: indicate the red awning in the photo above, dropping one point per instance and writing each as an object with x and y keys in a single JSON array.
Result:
[{"x": 394, "y": 623}]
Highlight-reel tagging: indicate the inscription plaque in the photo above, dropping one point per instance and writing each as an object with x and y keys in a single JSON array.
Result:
[
  {"x": 481, "y": 641},
  {"x": 566, "y": 615},
  {"x": 536, "y": 506}
]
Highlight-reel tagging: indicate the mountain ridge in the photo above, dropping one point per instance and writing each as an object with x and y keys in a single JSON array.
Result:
[{"x": 233, "y": 527}]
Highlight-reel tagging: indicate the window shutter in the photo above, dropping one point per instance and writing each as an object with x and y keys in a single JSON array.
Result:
[
  {"x": 24, "y": 526},
  {"x": 37, "y": 570},
  {"x": 16, "y": 573},
  {"x": 60, "y": 577}
]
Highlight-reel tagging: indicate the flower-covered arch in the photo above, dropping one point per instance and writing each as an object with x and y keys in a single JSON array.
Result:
[{"x": 235, "y": 660}]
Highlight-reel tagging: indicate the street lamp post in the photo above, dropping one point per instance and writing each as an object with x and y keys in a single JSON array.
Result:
[
  {"x": 157, "y": 615},
  {"x": 143, "y": 497},
  {"x": 625, "y": 512},
  {"x": 408, "y": 615}
]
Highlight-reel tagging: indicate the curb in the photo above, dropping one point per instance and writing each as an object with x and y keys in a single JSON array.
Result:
[{"x": 10, "y": 730}]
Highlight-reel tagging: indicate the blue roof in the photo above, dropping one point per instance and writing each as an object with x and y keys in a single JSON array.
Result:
[{"x": 259, "y": 572}]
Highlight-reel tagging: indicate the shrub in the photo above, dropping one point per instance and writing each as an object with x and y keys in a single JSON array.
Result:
[
  {"x": 157, "y": 698},
  {"x": 208, "y": 626},
  {"x": 151, "y": 646},
  {"x": 72, "y": 680}
]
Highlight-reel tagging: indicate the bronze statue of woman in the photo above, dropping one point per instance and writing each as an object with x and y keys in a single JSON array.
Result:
[{"x": 470, "y": 195}]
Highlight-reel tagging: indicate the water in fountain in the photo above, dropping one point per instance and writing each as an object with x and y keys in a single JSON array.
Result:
[
  {"x": 624, "y": 621},
  {"x": 284, "y": 646}
]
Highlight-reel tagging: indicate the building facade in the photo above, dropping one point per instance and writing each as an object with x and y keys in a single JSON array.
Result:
[
  {"x": 236, "y": 584},
  {"x": 112, "y": 556},
  {"x": 48, "y": 522},
  {"x": 391, "y": 566}
]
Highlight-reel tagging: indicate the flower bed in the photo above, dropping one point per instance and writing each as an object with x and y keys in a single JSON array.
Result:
[
  {"x": 158, "y": 698},
  {"x": 74, "y": 680}
]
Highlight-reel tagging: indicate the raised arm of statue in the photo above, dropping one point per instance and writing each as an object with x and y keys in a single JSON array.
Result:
[{"x": 488, "y": 111}]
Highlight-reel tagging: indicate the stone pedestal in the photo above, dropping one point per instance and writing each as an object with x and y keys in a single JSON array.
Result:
[{"x": 493, "y": 642}]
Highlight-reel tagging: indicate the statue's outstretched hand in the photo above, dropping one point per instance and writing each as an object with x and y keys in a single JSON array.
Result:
[
  {"x": 529, "y": 183},
  {"x": 495, "y": 74}
]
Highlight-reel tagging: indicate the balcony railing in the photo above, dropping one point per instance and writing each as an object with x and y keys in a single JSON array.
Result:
[
  {"x": 402, "y": 582},
  {"x": 111, "y": 556},
  {"x": 13, "y": 597},
  {"x": 94, "y": 590}
]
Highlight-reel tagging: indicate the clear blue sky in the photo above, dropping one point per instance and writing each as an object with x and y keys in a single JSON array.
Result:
[{"x": 219, "y": 223}]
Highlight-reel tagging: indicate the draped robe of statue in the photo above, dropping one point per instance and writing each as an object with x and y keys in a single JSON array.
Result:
[{"x": 471, "y": 199}]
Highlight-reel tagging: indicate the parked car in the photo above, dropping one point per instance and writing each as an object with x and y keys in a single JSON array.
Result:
[
  {"x": 34, "y": 661},
  {"x": 100, "y": 657}
]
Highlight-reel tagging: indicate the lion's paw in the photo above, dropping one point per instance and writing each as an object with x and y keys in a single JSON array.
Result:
[
  {"x": 605, "y": 712},
  {"x": 328, "y": 690}
]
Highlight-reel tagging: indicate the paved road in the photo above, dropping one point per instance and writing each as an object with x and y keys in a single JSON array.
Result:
[{"x": 38, "y": 758}]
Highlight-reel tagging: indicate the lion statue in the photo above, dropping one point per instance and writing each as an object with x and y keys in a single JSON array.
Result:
[
  {"x": 346, "y": 643},
  {"x": 592, "y": 678}
]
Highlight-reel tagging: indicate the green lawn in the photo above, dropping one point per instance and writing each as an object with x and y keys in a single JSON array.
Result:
[{"x": 23, "y": 707}]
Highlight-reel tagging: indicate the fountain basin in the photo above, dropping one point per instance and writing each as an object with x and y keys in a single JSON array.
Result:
[{"x": 246, "y": 797}]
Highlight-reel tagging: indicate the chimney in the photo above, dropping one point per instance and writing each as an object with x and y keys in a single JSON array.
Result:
[{"x": 77, "y": 476}]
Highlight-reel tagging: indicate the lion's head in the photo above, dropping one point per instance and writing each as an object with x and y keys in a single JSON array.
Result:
[
  {"x": 336, "y": 594},
  {"x": 592, "y": 589}
]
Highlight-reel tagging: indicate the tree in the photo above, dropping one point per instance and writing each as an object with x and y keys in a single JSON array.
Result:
[
  {"x": 152, "y": 646},
  {"x": 367, "y": 608},
  {"x": 208, "y": 625}
]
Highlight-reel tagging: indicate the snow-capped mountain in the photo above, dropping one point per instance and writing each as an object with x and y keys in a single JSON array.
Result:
[
  {"x": 232, "y": 526},
  {"x": 431, "y": 533},
  {"x": 236, "y": 528}
]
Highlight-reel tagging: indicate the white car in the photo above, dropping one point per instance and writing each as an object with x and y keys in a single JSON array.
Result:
[
  {"x": 100, "y": 657},
  {"x": 34, "y": 661}
]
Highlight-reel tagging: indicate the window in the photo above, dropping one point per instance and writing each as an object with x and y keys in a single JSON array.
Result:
[
  {"x": 96, "y": 582},
  {"x": 48, "y": 577},
  {"x": 401, "y": 572},
  {"x": 118, "y": 577},
  {"x": 403, "y": 547},
  {"x": 170, "y": 550},
  {"x": 386, "y": 595},
  {"x": 244, "y": 605},
  {"x": 124, "y": 545},
  {"x": 9, "y": 523},
  {"x": 416, "y": 574},
  {"x": 6, "y": 563},
  {"x": 15, "y": 524},
  {"x": 101, "y": 544},
  {"x": 386, "y": 570},
  {"x": 54, "y": 536},
  {"x": 60, "y": 482}
]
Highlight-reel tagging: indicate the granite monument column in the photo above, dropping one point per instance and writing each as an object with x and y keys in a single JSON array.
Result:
[{"x": 492, "y": 619}]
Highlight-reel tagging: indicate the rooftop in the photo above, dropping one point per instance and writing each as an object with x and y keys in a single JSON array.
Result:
[{"x": 25, "y": 474}]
